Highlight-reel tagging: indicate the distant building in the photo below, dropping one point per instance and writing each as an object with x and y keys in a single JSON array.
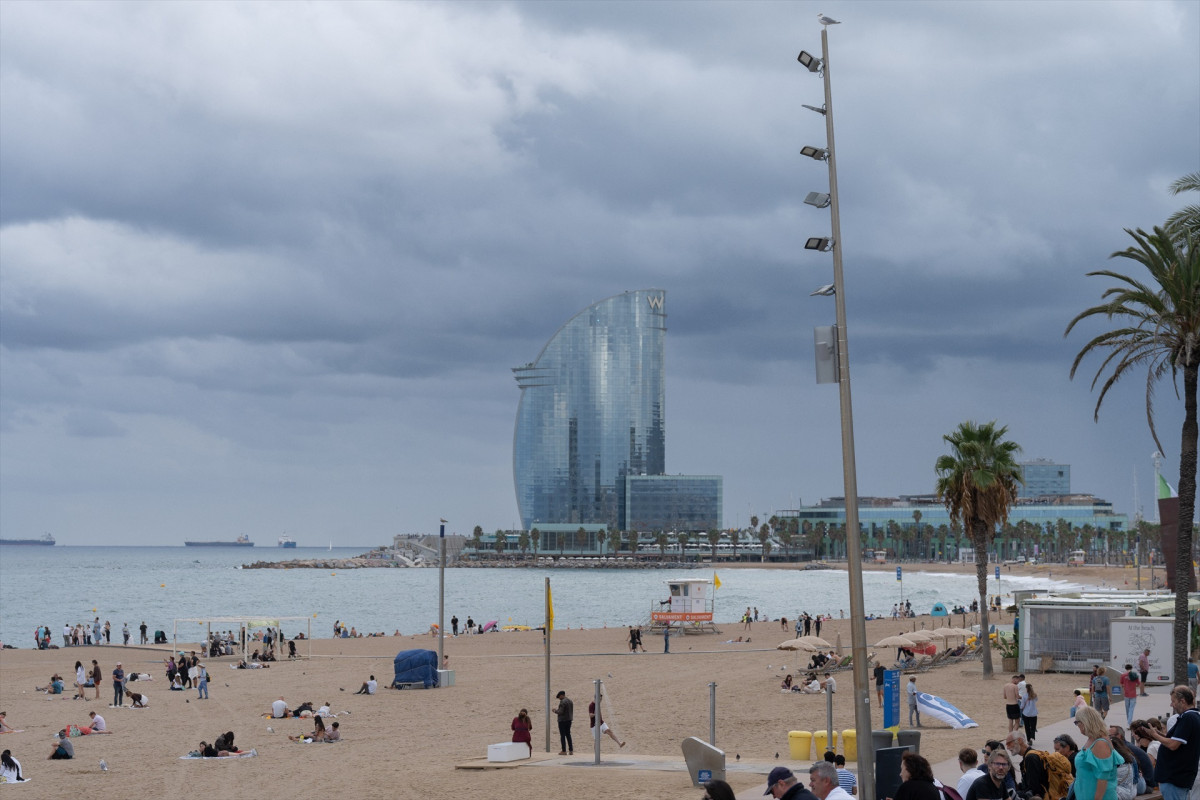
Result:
[
  {"x": 589, "y": 445},
  {"x": 1044, "y": 479}
]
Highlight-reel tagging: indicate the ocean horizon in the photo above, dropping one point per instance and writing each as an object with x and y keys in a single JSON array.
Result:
[{"x": 159, "y": 585}]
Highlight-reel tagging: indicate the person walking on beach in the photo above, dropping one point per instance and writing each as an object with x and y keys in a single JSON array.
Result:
[
  {"x": 96, "y": 676},
  {"x": 879, "y": 675},
  {"x": 667, "y": 638},
  {"x": 1029, "y": 713},
  {"x": 913, "y": 708},
  {"x": 1129, "y": 691},
  {"x": 1144, "y": 668},
  {"x": 1012, "y": 703},
  {"x": 143, "y": 629},
  {"x": 454, "y": 625},
  {"x": 202, "y": 683},
  {"x": 1099, "y": 686},
  {"x": 125, "y": 633},
  {"x": 118, "y": 676},
  {"x": 565, "y": 711}
]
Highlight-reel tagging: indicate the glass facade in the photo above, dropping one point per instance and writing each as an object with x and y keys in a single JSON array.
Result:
[
  {"x": 671, "y": 503},
  {"x": 1044, "y": 478},
  {"x": 592, "y": 412}
]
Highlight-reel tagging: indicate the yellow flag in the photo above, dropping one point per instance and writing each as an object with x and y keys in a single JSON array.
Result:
[
  {"x": 549, "y": 609},
  {"x": 716, "y": 581}
]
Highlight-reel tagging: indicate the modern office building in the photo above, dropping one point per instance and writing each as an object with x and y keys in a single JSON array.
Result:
[
  {"x": 1044, "y": 479},
  {"x": 591, "y": 413},
  {"x": 671, "y": 502}
]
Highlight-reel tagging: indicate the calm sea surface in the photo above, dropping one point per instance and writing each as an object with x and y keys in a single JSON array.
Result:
[{"x": 56, "y": 585}]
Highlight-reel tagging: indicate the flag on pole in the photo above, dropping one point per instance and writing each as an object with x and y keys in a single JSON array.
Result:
[
  {"x": 549, "y": 608},
  {"x": 1164, "y": 489},
  {"x": 716, "y": 581}
]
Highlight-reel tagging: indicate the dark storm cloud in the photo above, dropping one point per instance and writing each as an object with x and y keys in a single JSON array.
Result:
[{"x": 311, "y": 241}]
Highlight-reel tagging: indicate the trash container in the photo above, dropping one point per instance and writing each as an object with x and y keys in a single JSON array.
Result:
[
  {"x": 820, "y": 740},
  {"x": 850, "y": 744},
  {"x": 910, "y": 739},
  {"x": 799, "y": 743},
  {"x": 879, "y": 740},
  {"x": 1087, "y": 694}
]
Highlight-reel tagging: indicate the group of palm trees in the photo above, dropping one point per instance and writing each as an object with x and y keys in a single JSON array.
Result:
[{"x": 1155, "y": 318}]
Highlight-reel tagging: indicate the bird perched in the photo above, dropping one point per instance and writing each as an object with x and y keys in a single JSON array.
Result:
[
  {"x": 824, "y": 20},
  {"x": 824, "y": 291},
  {"x": 103, "y": 765}
]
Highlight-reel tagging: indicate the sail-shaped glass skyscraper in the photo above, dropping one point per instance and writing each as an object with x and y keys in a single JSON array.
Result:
[{"x": 591, "y": 412}]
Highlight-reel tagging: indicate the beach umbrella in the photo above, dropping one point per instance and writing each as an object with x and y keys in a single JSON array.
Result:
[
  {"x": 797, "y": 644},
  {"x": 919, "y": 636},
  {"x": 946, "y": 633},
  {"x": 894, "y": 641},
  {"x": 816, "y": 641}
]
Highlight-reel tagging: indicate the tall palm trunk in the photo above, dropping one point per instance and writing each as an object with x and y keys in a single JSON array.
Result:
[
  {"x": 979, "y": 540},
  {"x": 1187, "y": 507}
]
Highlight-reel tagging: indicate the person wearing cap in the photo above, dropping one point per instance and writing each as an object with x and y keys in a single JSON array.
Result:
[
  {"x": 202, "y": 682},
  {"x": 565, "y": 711},
  {"x": 825, "y": 782},
  {"x": 782, "y": 785},
  {"x": 63, "y": 748},
  {"x": 118, "y": 676}
]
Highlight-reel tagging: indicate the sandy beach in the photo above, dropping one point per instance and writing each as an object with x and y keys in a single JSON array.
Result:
[{"x": 412, "y": 744}]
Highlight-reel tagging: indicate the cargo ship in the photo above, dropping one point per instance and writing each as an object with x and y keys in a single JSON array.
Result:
[
  {"x": 241, "y": 541},
  {"x": 286, "y": 541},
  {"x": 46, "y": 540}
]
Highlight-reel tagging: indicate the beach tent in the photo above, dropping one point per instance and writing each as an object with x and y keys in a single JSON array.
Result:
[
  {"x": 938, "y": 708},
  {"x": 939, "y": 610},
  {"x": 416, "y": 666}
]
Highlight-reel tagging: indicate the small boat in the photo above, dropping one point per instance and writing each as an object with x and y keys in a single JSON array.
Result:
[
  {"x": 286, "y": 541},
  {"x": 46, "y": 540},
  {"x": 241, "y": 541}
]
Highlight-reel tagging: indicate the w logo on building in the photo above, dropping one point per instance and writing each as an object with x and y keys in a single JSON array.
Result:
[{"x": 656, "y": 302}]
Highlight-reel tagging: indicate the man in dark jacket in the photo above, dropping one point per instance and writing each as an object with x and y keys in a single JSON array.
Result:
[{"x": 782, "y": 785}]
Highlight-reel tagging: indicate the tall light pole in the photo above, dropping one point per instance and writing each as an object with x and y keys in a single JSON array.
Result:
[
  {"x": 858, "y": 625},
  {"x": 441, "y": 596}
]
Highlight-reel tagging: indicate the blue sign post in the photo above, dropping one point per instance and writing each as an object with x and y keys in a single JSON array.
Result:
[{"x": 891, "y": 698}]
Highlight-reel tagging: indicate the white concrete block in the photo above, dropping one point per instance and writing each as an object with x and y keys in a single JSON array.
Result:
[
  {"x": 508, "y": 751},
  {"x": 445, "y": 678}
]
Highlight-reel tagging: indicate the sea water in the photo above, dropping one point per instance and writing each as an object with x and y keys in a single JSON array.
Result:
[{"x": 159, "y": 585}]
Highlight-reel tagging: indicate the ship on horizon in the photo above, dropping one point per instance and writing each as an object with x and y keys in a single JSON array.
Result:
[
  {"x": 241, "y": 541},
  {"x": 46, "y": 540},
  {"x": 286, "y": 541}
]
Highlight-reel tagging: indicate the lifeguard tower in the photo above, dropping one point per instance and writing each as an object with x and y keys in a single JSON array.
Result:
[{"x": 688, "y": 607}]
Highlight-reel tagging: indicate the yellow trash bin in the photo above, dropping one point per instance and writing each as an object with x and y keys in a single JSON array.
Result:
[
  {"x": 1087, "y": 694},
  {"x": 850, "y": 744},
  {"x": 799, "y": 743},
  {"x": 819, "y": 744}
]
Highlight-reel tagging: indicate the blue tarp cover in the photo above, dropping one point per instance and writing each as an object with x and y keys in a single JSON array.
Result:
[{"x": 416, "y": 666}]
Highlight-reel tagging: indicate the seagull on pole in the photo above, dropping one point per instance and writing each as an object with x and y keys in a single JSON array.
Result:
[
  {"x": 824, "y": 291},
  {"x": 824, "y": 20}
]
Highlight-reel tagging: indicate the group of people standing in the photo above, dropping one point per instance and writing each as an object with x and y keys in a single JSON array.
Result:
[{"x": 564, "y": 710}]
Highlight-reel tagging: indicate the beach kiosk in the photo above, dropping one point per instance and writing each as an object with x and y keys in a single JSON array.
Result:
[{"x": 687, "y": 608}]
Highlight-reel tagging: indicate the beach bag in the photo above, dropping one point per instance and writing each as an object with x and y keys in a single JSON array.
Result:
[
  {"x": 949, "y": 793},
  {"x": 1058, "y": 774}
]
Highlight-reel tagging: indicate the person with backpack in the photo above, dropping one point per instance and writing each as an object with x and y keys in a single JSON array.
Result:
[{"x": 1046, "y": 775}]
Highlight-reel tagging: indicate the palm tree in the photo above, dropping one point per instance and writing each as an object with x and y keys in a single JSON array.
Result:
[
  {"x": 562, "y": 542},
  {"x": 978, "y": 481},
  {"x": 601, "y": 535},
  {"x": 714, "y": 538},
  {"x": 1186, "y": 221},
  {"x": 477, "y": 539},
  {"x": 535, "y": 540},
  {"x": 631, "y": 539},
  {"x": 1159, "y": 329},
  {"x": 501, "y": 542},
  {"x": 735, "y": 536},
  {"x": 764, "y": 537},
  {"x": 523, "y": 543},
  {"x": 917, "y": 525},
  {"x": 660, "y": 539},
  {"x": 682, "y": 537}
]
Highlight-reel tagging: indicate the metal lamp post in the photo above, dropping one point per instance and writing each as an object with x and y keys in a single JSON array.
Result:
[
  {"x": 858, "y": 627},
  {"x": 441, "y": 595}
]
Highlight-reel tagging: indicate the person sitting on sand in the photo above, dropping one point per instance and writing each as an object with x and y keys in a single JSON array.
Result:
[
  {"x": 369, "y": 687},
  {"x": 63, "y": 749},
  {"x": 279, "y": 709},
  {"x": 4, "y": 726},
  {"x": 812, "y": 685},
  {"x": 225, "y": 742},
  {"x": 54, "y": 687},
  {"x": 176, "y": 683},
  {"x": 291, "y": 650},
  {"x": 98, "y": 725},
  {"x": 333, "y": 734},
  {"x": 786, "y": 686},
  {"x": 137, "y": 700},
  {"x": 318, "y": 734},
  {"x": 10, "y": 769},
  {"x": 207, "y": 750}
]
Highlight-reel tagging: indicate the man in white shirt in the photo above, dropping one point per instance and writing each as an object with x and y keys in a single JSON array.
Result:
[
  {"x": 279, "y": 709},
  {"x": 968, "y": 762},
  {"x": 830, "y": 683},
  {"x": 823, "y": 781},
  {"x": 369, "y": 687}
]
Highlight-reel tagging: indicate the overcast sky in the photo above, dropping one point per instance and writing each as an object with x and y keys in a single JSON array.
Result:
[{"x": 265, "y": 267}]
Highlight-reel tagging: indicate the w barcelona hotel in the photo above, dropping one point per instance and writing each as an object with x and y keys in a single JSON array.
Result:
[{"x": 589, "y": 447}]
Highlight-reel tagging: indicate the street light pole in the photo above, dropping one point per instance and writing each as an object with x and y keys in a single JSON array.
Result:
[
  {"x": 441, "y": 595},
  {"x": 858, "y": 626}
]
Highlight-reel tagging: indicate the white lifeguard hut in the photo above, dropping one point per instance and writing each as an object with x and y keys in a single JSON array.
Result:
[{"x": 688, "y": 607}]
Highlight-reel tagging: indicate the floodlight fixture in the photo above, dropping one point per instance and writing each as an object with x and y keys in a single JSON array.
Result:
[
  {"x": 822, "y": 243},
  {"x": 820, "y": 110},
  {"x": 823, "y": 291},
  {"x": 818, "y": 199},
  {"x": 815, "y": 153},
  {"x": 809, "y": 61}
]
